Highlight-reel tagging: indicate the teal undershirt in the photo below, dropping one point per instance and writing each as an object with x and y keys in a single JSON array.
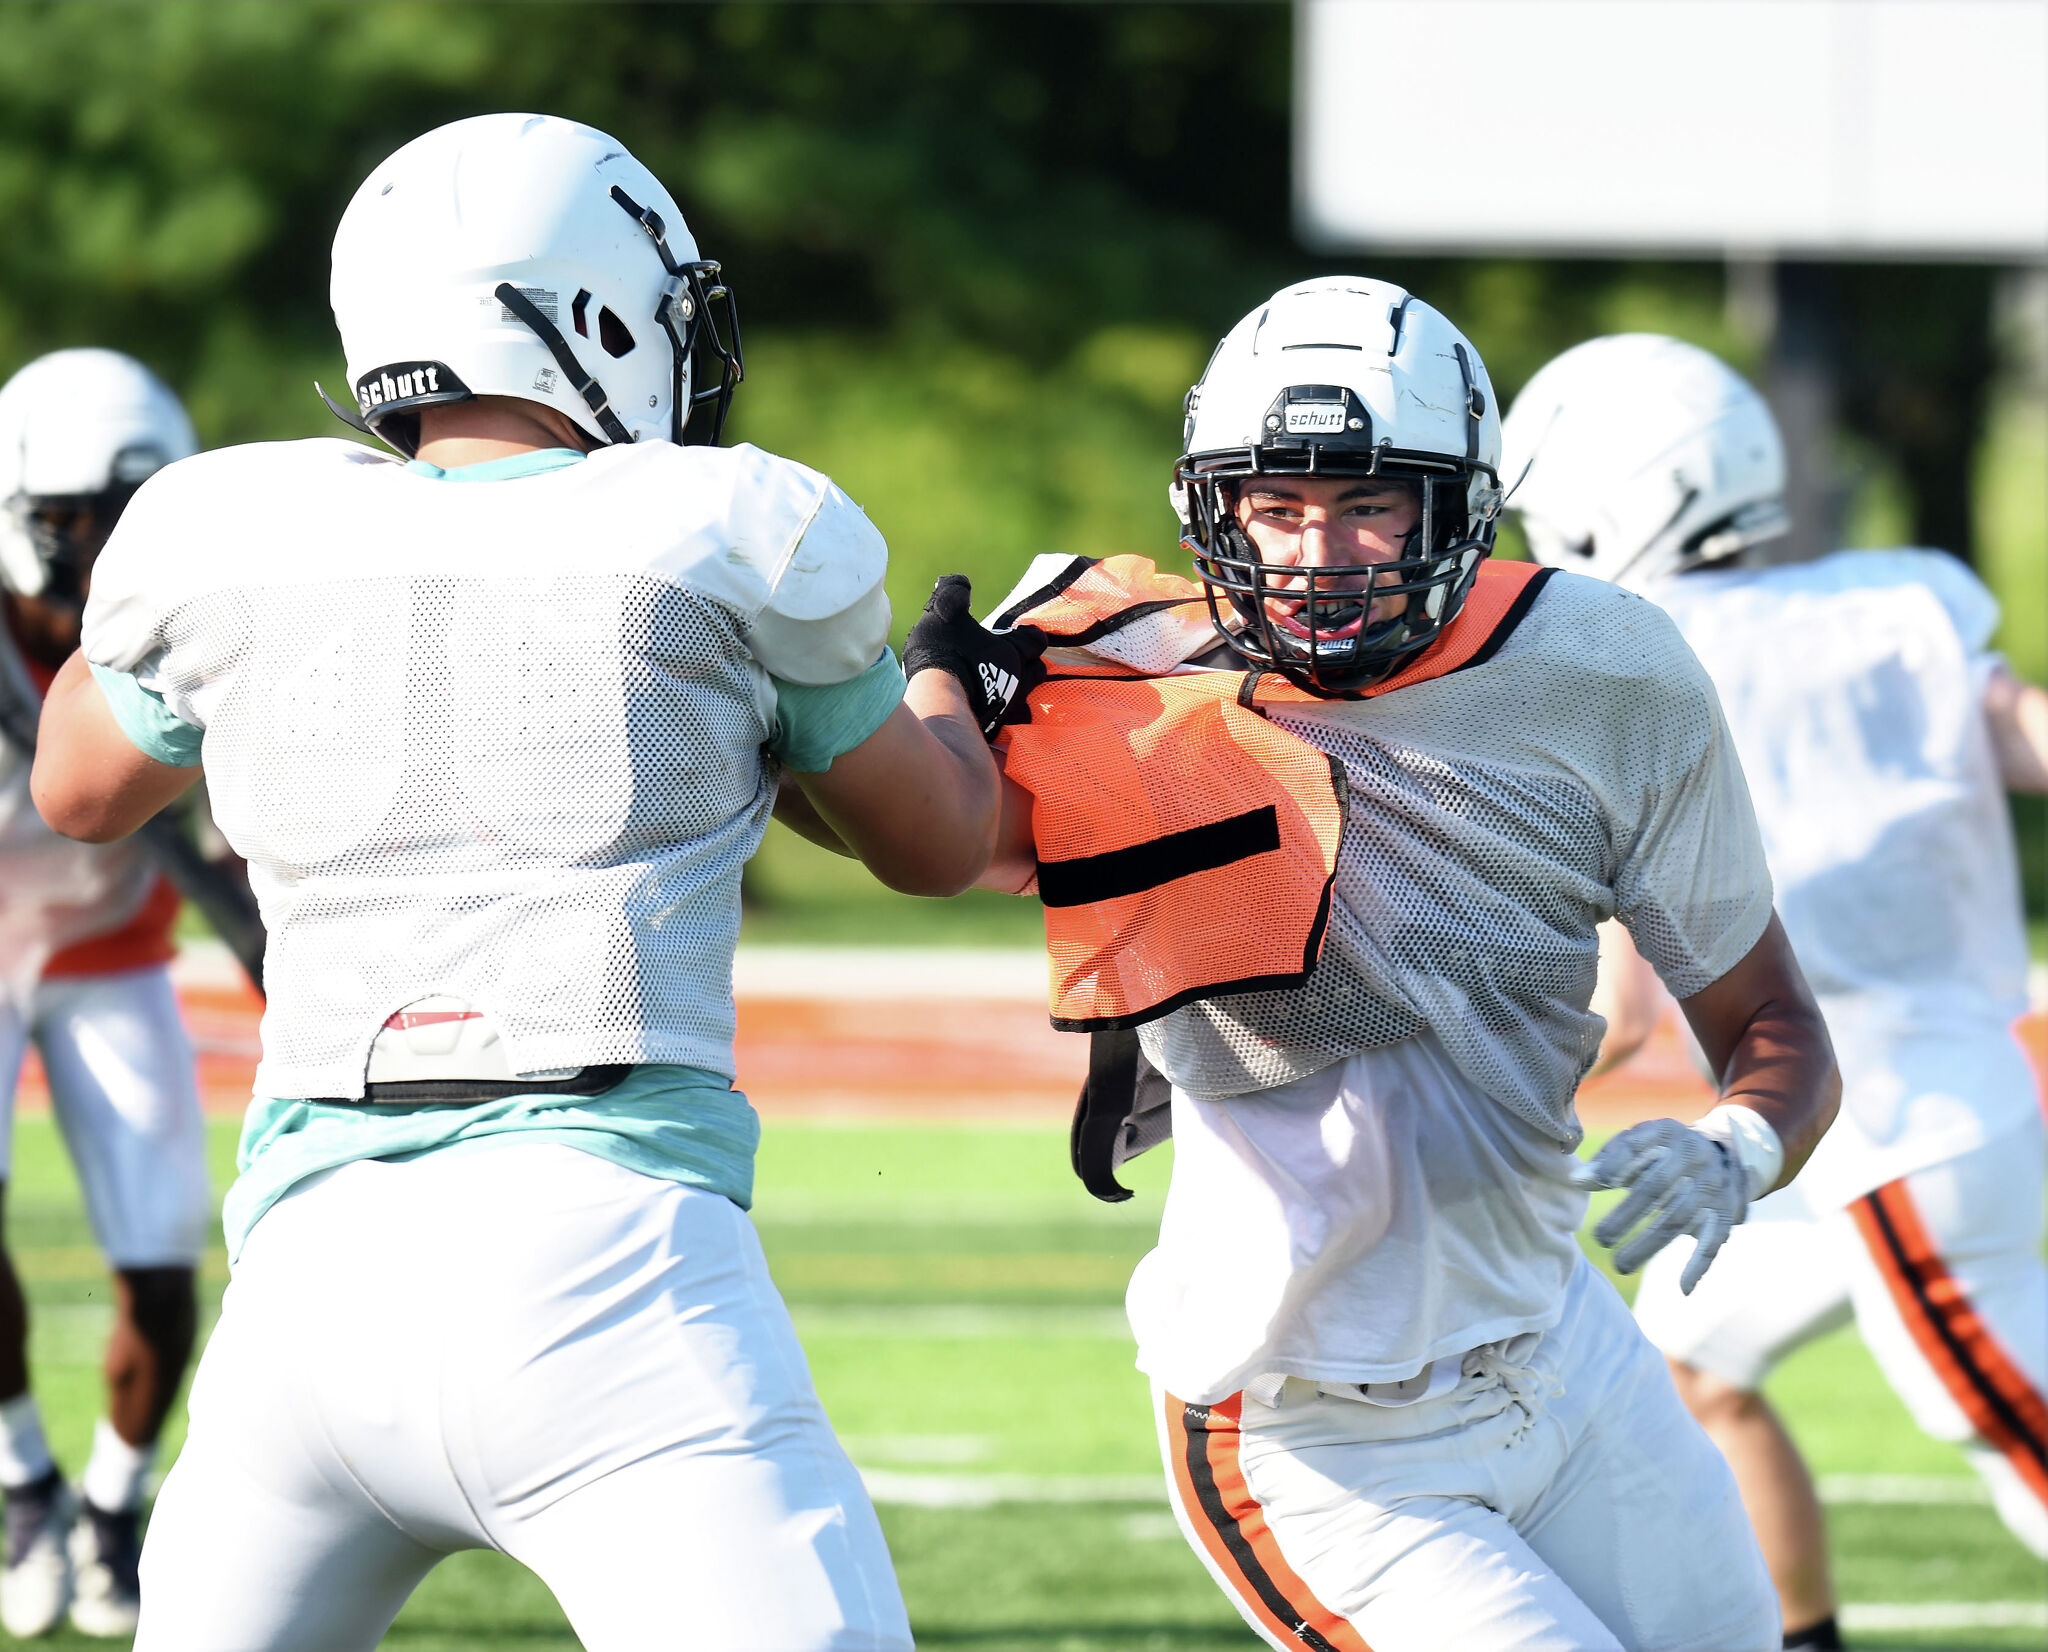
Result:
[{"x": 678, "y": 1124}]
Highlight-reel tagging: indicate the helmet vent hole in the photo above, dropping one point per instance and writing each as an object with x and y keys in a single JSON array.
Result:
[
  {"x": 577, "y": 313},
  {"x": 612, "y": 334}
]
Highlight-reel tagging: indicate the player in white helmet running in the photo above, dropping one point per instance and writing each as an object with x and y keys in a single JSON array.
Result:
[
  {"x": 1878, "y": 732},
  {"x": 1341, "y": 869},
  {"x": 85, "y": 940},
  {"x": 497, "y": 724}
]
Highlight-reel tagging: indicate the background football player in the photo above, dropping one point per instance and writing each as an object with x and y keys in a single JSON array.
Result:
[
  {"x": 1397, "y": 1406},
  {"x": 85, "y": 938},
  {"x": 1878, "y": 732},
  {"x": 497, "y": 724}
]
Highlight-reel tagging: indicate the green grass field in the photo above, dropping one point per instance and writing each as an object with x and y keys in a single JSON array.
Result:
[{"x": 960, "y": 1299}]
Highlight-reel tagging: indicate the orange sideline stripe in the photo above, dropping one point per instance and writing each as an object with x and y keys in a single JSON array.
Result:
[
  {"x": 144, "y": 939},
  {"x": 2006, "y": 1409},
  {"x": 1210, "y": 1483}
]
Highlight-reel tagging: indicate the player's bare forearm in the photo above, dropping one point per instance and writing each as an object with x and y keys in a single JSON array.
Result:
[
  {"x": 2016, "y": 713},
  {"x": 1763, "y": 1034},
  {"x": 89, "y": 781},
  {"x": 793, "y": 807},
  {"x": 1013, "y": 868},
  {"x": 919, "y": 800}
]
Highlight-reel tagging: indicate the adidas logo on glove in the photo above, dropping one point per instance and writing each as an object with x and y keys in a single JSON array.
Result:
[{"x": 997, "y": 684}]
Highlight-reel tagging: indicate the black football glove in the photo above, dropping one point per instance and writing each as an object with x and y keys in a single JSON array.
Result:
[{"x": 996, "y": 668}]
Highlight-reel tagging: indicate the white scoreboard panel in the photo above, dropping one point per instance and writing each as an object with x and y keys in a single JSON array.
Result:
[{"x": 1823, "y": 128}]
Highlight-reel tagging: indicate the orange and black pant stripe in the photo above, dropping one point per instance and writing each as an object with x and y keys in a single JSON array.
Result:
[
  {"x": 2006, "y": 1409},
  {"x": 1208, "y": 1477}
]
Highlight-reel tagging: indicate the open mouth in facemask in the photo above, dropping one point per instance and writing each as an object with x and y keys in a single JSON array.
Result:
[
  {"x": 1333, "y": 620},
  {"x": 1338, "y": 608}
]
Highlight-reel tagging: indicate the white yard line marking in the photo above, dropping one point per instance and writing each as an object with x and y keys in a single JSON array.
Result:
[
  {"x": 1149, "y": 1527},
  {"x": 1902, "y": 1488},
  {"x": 983, "y": 1491},
  {"x": 206, "y": 963},
  {"x": 1945, "y": 1614}
]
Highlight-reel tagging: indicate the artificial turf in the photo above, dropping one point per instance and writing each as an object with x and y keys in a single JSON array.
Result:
[{"x": 959, "y": 1298}]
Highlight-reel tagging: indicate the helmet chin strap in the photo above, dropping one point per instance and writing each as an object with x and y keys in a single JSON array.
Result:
[
  {"x": 549, "y": 334},
  {"x": 688, "y": 297},
  {"x": 347, "y": 415},
  {"x": 678, "y": 295}
]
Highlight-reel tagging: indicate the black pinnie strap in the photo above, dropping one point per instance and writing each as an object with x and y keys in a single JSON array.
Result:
[
  {"x": 549, "y": 334},
  {"x": 471, "y": 1092},
  {"x": 1125, "y": 1108},
  {"x": 1105, "y": 1102}
]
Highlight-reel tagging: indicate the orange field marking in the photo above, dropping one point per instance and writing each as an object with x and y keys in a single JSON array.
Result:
[{"x": 965, "y": 1059}]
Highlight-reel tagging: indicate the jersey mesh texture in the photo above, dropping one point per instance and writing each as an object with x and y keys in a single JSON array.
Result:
[
  {"x": 1497, "y": 816},
  {"x": 537, "y": 794}
]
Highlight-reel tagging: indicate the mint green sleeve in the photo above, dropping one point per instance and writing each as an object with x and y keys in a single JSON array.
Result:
[
  {"x": 152, "y": 726},
  {"x": 813, "y": 725}
]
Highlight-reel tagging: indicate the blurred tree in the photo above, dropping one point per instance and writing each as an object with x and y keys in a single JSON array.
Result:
[
  {"x": 980, "y": 250},
  {"x": 1917, "y": 368}
]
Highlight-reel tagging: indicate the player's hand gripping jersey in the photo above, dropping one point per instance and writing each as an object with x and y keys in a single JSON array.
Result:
[
  {"x": 537, "y": 787},
  {"x": 1393, "y": 1137}
]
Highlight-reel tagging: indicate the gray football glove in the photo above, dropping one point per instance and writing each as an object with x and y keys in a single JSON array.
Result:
[{"x": 1681, "y": 1180}]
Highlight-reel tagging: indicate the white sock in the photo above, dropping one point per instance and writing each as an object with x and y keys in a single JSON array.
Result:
[
  {"x": 115, "y": 1471},
  {"x": 24, "y": 1453}
]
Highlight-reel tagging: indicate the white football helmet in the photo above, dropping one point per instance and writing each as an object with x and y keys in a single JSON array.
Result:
[
  {"x": 1342, "y": 376},
  {"x": 523, "y": 255},
  {"x": 80, "y": 431},
  {"x": 1636, "y": 457}
]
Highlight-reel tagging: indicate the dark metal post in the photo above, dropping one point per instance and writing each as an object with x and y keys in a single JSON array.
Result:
[{"x": 1801, "y": 383}]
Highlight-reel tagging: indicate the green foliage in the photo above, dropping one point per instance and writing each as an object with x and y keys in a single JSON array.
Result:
[
  {"x": 971, "y": 457},
  {"x": 998, "y": 236},
  {"x": 980, "y": 251}
]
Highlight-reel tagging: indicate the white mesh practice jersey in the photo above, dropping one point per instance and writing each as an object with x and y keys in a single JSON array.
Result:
[
  {"x": 498, "y": 740},
  {"x": 52, "y": 891},
  {"x": 1498, "y": 814},
  {"x": 1370, "y": 1173},
  {"x": 1854, "y": 688},
  {"x": 1356, "y": 1225}
]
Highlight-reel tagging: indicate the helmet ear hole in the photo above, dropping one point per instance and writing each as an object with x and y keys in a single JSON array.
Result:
[{"x": 612, "y": 334}]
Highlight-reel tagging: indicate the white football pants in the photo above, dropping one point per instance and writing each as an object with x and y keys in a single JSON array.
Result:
[
  {"x": 1943, "y": 1274},
  {"x": 1557, "y": 1499},
  {"x": 522, "y": 1347},
  {"x": 121, "y": 1084}
]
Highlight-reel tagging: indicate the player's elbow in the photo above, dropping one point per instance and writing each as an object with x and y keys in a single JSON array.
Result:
[
  {"x": 73, "y": 810},
  {"x": 921, "y": 882},
  {"x": 1808, "y": 1033},
  {"x": 946, "y": 864},
  {"x": 1829, "y": 1103}
]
